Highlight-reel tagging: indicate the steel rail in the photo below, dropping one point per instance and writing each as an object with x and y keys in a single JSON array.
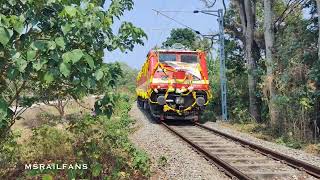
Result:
[
  {"x": 229, "y": 170},
  {"x": 298, "y": 164}
]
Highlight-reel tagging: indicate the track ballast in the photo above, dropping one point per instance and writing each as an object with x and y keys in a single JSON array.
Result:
[{"x": 242, "y": 159}]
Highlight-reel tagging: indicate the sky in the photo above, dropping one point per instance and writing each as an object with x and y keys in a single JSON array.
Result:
[{"x": 158, "y": 27}]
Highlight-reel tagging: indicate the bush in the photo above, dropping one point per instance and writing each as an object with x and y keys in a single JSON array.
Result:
[
  {"x": 101, "y": 142},
  {"x": 48, "y": 143},
  {"x": 289, "y": 141},
  {"x": 208, "y": 115},
  {"x": 9, "y": 153}
]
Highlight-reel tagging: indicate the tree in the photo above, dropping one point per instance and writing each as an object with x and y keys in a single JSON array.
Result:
[
  {"x": 57, "y": 46},
  {"x": 184, "y": 36},
  {"x": 269, "y": 42},
  {"x": 245, "y": 32},
  {"x": 247, "y": 16},
  {"x": 189, "y": 39},
  {"x": 318, "y": 11}
]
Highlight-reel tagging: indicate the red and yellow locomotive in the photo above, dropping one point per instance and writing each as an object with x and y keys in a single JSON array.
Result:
[{"x": 173, "y": 84}]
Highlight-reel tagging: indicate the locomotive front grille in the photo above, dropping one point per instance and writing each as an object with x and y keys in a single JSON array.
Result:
[{"x": 177, "y": 101}]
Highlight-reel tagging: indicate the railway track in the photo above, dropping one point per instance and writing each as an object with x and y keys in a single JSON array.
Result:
[{"x": 242, "y": 159}]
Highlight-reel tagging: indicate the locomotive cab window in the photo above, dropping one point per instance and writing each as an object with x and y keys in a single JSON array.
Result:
[
  {"x": 163, "y": 57},
  {"x": 189, "y": 58}
]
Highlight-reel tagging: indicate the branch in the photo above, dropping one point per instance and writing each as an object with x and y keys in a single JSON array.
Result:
[
  {"x": 47, "y": 102},
  {"x": 81, "y": 104},
  {"x": 209, "y": 4},
  {"x": 66, "y": 102},
  {"x": 243, "y": 18},
  {"x": 232, "y": 29},
  {"x": 17, "y": 101},
  {"x": 21, "y": 111},
  {"x": 284, "y": 11},
  {"x": 288, "y": 10},
  {"x": 18, "y": 91}
]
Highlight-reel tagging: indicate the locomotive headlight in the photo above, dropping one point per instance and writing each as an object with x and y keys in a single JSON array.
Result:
[
  {"x": 200, "y": 101},
  {"x": 190, "y": 88},
  {"x": 179, "y": 100},
  {"x": 161, "y": 100}
]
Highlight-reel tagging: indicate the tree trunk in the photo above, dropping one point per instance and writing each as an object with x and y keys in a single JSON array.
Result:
[
  {"x": 60, "y": 107},
  {"x": 318, "y": 11},
  {"x": 251, "y": 62},
  {"x": 269, "y": 41},
  {"x": 317, "y": 106}
]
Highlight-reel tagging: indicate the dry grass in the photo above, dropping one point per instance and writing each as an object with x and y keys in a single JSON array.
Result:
[
  {"x": 313, "y": 149},
  {"x": 260, "y": 132},
  {"x": 44, "y": 114},
  {"x": 256, "y": 130}
]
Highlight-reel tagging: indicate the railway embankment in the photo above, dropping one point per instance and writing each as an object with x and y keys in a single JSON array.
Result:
[
  {"x": 295, "y": 153},
  {"x": 171, "y": 157}
]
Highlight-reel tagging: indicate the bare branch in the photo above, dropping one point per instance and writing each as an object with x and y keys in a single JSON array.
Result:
[
  {"x": 81, "y": 104},
  {"x": 18, "y": 91},
  {"x": 209, "y": 4},
  {"x": 21, "y": 111},
  {"x": 66, "y": 102},
  {"x": 290, "y": 7}
]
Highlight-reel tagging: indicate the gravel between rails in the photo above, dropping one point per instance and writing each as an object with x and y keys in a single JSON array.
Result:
[
  {"x": 179, "y": 160},
  {"x": 298, "y": 154}
]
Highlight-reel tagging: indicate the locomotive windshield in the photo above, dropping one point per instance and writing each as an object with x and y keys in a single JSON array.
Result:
[
  {"x": 163, "y": 57},
  {"x": 189, "y": 58},
  {"x": 186, "y": 58}
]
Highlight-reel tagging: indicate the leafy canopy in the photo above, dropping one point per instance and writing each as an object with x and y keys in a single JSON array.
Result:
[
  {"x": 57, "y": 46},
  {"x": 183, "y": 36}
]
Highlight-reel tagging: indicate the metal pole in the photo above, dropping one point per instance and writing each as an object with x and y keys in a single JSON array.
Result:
[{"x": 223, "y": 78}]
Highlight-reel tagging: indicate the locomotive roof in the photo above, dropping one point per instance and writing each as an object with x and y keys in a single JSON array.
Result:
[{"x": 174, "y": 50}]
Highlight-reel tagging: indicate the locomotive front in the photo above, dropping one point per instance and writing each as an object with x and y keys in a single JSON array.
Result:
[{"x": 176, "y": 84}]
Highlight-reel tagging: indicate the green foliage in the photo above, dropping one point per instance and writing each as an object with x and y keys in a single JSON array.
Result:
[
  {"x": 101, "y": 137},
  {"x": 127, "y": 82},
  {"x": 295, "y": 69},
  {"x": 289, "y": 141},
  {"x": 162, "y": 161},
  {"x": 48, "y": 142},
  {"x": 101, "y": 142},
  {"x": 55, "y": 48},
  {"x": 188, "y": 38},
  {"x": 183, "y": 36},
  {"x": 296, "y": 77},
  {"x": 106, "y": 105},
  {"x": 9, "y": 153}
]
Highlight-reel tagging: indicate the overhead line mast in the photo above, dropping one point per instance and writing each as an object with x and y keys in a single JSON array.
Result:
[{"x": 223, "y": 78}]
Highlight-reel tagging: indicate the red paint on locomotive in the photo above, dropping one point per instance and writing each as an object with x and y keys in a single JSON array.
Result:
[{"x": 174, "y": 84}]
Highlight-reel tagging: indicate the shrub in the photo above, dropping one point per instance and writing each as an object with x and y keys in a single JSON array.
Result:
[
  {"x": 208, "y": 115},
  {"x": 9, "y": 153},
  {"x": 101, "y": 142},
  {"x": 47, "y": 143}
]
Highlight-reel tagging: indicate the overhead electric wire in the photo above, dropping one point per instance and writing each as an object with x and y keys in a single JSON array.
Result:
[
  {"x": 169, "y": 23},
  {"x": 176, "y": 21},
  {"x": 177, "y": 11},
  {"x": 182, "y": 24}
]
